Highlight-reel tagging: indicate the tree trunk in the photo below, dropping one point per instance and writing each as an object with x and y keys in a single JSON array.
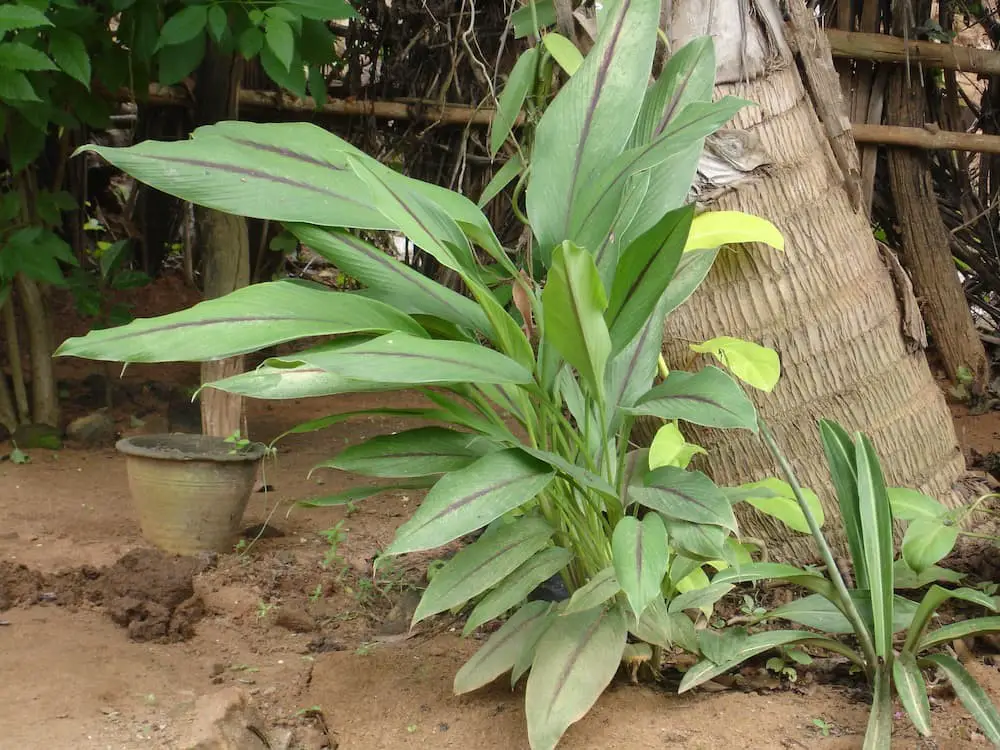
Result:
[
  {"x": 225, "y": 248},
  {"x": 826, "y": 304},
  {"x": 44, "y": 394},
  {"x": 926, "y": 251}
]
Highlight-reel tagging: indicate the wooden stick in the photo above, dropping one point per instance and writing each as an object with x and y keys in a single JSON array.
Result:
[
  {"x": 892, "y": 49},
  {"x": 926, "y": 138}
]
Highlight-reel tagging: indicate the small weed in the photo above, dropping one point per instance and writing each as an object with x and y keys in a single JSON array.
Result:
[
  {"x": 18, "y": 456},
  {"x": 822, "y": 726},
  {"x": 240, "y": 547},
  {"x": 243, "y": 668},
  {"x": 317, "y": 593},
  {"x": 334, "y": 537},
  {"x": 264, "y": 609},
  {"x": 365, "y": 649},
  {"x": 750, "y": 608},
  {"x": 305, "y": 713},
  {"x": 784, "y": 665},
  {"x": 411, "y": 728}
]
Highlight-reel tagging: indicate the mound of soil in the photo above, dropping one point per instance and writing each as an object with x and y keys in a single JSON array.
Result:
[{"x": 148, "y": 592}]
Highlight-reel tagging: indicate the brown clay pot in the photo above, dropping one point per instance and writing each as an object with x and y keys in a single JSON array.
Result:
[{"x": 190, "y": 491}]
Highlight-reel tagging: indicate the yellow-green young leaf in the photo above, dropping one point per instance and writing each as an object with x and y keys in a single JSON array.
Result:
[
  {"x": 717, "y": 228},
  {"x": 563, "y": 51},
  {"x": 752, "y": 363},
  {"x": 779, "y": 501},
  {"x": 696, "y": 579},
  {"x": 669, "y": 448}
]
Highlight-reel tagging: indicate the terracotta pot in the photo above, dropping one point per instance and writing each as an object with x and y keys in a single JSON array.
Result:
[{"x": 190, "y": 490}]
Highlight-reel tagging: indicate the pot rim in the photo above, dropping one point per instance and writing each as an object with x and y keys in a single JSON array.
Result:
[{"x": 184, "y": 446}]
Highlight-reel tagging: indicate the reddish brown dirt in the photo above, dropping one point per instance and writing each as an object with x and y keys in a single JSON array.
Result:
[{"x": 298, "y": 634}]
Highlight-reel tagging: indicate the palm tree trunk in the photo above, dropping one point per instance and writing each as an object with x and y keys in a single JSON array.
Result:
[{"x": 827, "y": 303}]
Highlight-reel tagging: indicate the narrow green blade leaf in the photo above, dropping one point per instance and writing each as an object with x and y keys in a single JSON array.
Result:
[
  {"x": 684, "y": 495},
  {"x": 244, "y": 321},
  {"x": 643, "y": 275},
  {"x": 912, "y": 691},
  {"x": 413, "y": 453},
  {"x": 581, "y": 476},
  {"x": 876, "y": 529},
  {"x": 402, "y": 358},
  {"x": 483, "y": 564},
  {"x": 354, "y": 494},
  {"x": 575, "y": 660},
  {"x": 515, "y": 588},
  {"x": 390, "y": 281},
  {"x": 961, "y": 629},
  {"x": 928, "y": 540},
  {"x": 503, "y": 177},
  {"x": 640, "y": 554},
  {"x": 594, "y": 593},
  {"x": 878, "y": 735},
  {"x": 934, "y": 598},
  {"x": 498, "y": 654},
  {"x": 839, "y": 452},
  {"x": 590, "y": 119},
  {"x": 470, "y": 498},
  {"x": 973, "y": 697},
  {"x": 573, "y": 304},
  {"x": 519, "y": 83},
  {"x": 757, "y": 643},
  {"x": 761, "y": 572},
  {"x": 708, "y": 397}
]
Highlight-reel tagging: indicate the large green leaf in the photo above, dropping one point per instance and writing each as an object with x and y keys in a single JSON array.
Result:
[
  {"x": 515, "y": 588},
  {"x": 757, "y": 643},
  {"x": 389, "y": 280},
  {"x": 905, "y": 578},
  {"x": 590, "y": 119},
  {"x": 684, "y": 495},
  {"x": 412, "y": 453},
  {"x": 909, "y": 505},
  {"x": 640, "y": 554},
  {"x": 289, "y": 172},
  {"x": 761, "y": 571},
  {"x": 575, "y": 660},
  {"x": 402, "y": 358},
  {"x": 643, "y": 274},
  {"x": 283, "y": 383},
  {"x": 243, "y": 321},
  {"x": 777, "y": 499},
  {"x": 14, "y": 16},
  {"x": 697, "y": 540},
  {"x": 470, "y": 498},
  {"x": 928, "y": 540},
  {"x": 957, "y": 630},
  {"x": 912, "y": 691},
  {"x": 708, "y": 397},
  {"x": 573, "y": 304},
  {"x": 972, "y": 695},
  {"x": 839, "y": 452},
  {"x": 594, "y": 593},
  {"x": 818, "y": 611},
  {"x": 355, "y": 494},
  {"x": 483, "y": 564},
  {"x": 676, "y": 149},
  {"x": 698, "y": 598},
  {"x": 519, "y": 83},
  {"x": 876, "y": 530},
  {"x": 499, "y": 653}
]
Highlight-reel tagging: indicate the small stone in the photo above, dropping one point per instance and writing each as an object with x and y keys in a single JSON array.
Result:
[
  {"x": 294, "y": 618},
  {"x": 224, "y": 720},
  {"x": 93, "y": 431},
  {"x": 313, "y": 738},
  {"x": 32, "y": 436}
]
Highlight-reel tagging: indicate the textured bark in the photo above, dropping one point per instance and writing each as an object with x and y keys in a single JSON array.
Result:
[
  {"x": 223, "y": 242},
  {"x": 44, "y": 394},
  {"x": 926, "y": 252},
  {"x": 826, "y": 304}
]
